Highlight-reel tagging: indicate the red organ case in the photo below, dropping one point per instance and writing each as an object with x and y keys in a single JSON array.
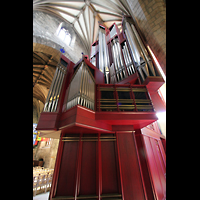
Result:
[{"x": 104, "y": 113}]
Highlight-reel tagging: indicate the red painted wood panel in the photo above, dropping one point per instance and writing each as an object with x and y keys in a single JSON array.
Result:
[
  {"x": 92, "y": 123},
  {"x": 131, "y": 178},
  {"x": 164, "y": 144},
  {"x": 85, "y": 112},
  {"x": 66, "y": 179},
  {"x": 88, "y": 169},
  {"x": 158, "y": 103},
  {"x": 122, "y": 128},
  {"x": 109, "y": 168},
  {"x": 144, "y": 166},
  {"x": 159, "y": 162},
  {"x": 162, "y": 152},
  {"x": 47, "y": 121},
  {"x": 158, "y": 185},
  {"x": 99, "y": 168}
]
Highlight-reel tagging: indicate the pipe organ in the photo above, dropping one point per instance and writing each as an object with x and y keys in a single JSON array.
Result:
[
  {"x": 117, "y": 63},
  {"x": 141, "y": 57},
  {"x": 81, "y": 89},
  {"x": 128, "y": 61},
  {"x": 54, "y": 91},
  {"x": 103, "y": 54},
  {"x": 103, "y": 110},
  {"x": 122, "y": 54}
]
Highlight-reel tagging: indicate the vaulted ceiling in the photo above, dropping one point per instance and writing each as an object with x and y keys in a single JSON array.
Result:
[
  {"x": 43, "y": 68},
  {"x": 45, "y": 60},
  {"x": 84, "y": 15}
]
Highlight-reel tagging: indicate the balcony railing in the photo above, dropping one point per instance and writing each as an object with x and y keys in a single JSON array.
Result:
[{"x": 123, "y": 98}]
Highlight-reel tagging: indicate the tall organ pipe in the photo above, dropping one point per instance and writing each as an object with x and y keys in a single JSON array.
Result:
[
  {"x": 54, "y": 91},
  {"x": 100, "y": 52},
  {"x": 137, "y": 52},
  {"x": 103, "y": 54},
  {"x": 50, "y": 91},
  {"x": 54, "y": 107},
  {"x": 132, "y": 43},
  {"x": 120, "y": 58},
  {"x": 126, "y": 62},
  {"x": 128, "y": 57},
  {"x": 81, "y": 89},
  {"x": 117, "y": 59},
  {"x": 146, "y": 55},
  {"x": 106, "y": 59},
  {"x": 115, "y": 62}
]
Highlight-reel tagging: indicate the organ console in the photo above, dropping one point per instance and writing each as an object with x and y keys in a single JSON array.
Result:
[{"x": 100, "y": 109}]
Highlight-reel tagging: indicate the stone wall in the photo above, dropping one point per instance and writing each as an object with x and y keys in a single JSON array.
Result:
[
  {"x": 44, "y": 32},
  {"x": 47, "y": 153}
]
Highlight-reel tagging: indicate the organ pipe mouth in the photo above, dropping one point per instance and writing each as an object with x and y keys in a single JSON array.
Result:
[
  {"x": 142, "y": 62},
  {"x": 101, "y": 27}
]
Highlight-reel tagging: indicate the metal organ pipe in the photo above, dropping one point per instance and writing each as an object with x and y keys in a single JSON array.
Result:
[
  {"x": 54, "y": 91},
  {"x": 121, "y": 61},
  {"x": 112, "y": 74},
  {"x": 126, "y": 62},
  {"x": 146, "y": 55},
  {"x": 54, "y": 105},
  {"x": 115, "y": 62},
  {"x": 129, "y": 61},
  {"x": 103, "y": 54},
  {"x": 140, "y": 54},
  {"x": 50, "y": 91},
  {"x": 134, "y": 56},
  {"x": 131, "y": 41},
  {"x": 141, "y": 60},
  {"x": 81, "y": 89},
  {"x": 117, "y": 59},
  {"x": 137, "y": 52},
  {"x": 100, "y": 52},
  {"x": 53, "y": 97},
  {"x": 106, "y": 56}
]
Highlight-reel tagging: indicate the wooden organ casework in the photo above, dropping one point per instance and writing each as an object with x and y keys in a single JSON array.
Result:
[{"x": 103, "y": 110}]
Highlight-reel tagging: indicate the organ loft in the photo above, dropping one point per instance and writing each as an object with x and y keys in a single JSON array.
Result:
[{"x": 102, "y": 109}]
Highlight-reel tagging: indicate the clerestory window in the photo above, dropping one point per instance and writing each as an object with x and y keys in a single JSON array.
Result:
[{"x": 64, "y": 35}]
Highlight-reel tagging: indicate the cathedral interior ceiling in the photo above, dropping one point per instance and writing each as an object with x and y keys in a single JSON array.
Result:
[{"x": 84, "y": 15}]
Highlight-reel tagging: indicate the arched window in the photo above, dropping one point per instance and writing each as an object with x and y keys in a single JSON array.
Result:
[{"x": 64, "y": 35}]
